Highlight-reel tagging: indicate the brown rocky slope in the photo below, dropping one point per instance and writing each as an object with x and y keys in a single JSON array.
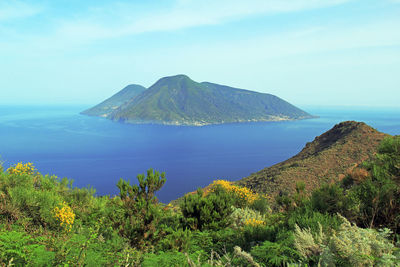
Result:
[{"x": 323, "y": 160}]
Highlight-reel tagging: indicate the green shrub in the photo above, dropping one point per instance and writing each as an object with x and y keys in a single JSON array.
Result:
[
  {"x": 261, "y": 204},
  {"x": 329, "y": 198},
  {"x": 241, "y": 216},
  {"x": 201, "y": 241},
  {"x": 242, "y": 258},
  {"x": 306, "y": 217},
  {"x": 20, "y": 249},
  {"x": 379, "y": 194},
  {"x": 141, "y": 209},
  {"x": 225, "y": 240},
  {"x": 87, "y": 247},
  {"x": 355, "y": 246},
  {"x": 129, "y": 257},
  {"x": 178, "y": 240},
  {"x": 207, "y": 212},
  {"x": 349, "y": 246},
  {"x": 390, "y": 146},
  {"x": 255, "y": 235},
  {"x": 310, "y": 244},
  {"x": 165, "y": 259},
  {"x": 274, "y": 254},
  {"x": 36, "y": 204}
]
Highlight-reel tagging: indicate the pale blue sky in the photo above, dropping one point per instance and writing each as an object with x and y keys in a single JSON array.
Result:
[{"x": 309, "y": 52}]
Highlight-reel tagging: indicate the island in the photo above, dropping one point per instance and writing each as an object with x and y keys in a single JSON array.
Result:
[{"x": 178, "y": 100}]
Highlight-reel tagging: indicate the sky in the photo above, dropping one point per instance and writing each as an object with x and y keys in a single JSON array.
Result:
[{"x": 308, "y": 52}]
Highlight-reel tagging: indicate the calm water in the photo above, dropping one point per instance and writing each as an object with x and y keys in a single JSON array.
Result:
[{"x": 97, "y": 152}]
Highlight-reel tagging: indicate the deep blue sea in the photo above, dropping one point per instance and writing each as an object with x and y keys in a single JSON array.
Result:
[{"x": 97, "y": 152}]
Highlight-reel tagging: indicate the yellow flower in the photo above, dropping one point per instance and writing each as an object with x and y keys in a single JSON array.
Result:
[
  {"x": 65, "y": 215},
  {"x": 241, "y": 192},
  {"x": 254, "y": 222},
  {"x": 21, "y": 168}
]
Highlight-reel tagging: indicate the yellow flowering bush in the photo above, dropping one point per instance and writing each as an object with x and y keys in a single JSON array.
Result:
[
  {"x": 21, "y": 168},
  {"x": 247, "y": 216},
  {"x": 254, "y": 222},
  {"x": 65, "y": 216},
  {"x": 242, "y": 193}
]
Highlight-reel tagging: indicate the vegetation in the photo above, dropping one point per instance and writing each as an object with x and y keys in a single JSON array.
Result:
[
  {"x": 105, "y": 108},
  {"x": 181, "y": 101},
  {"x": 45, "y": 221}
]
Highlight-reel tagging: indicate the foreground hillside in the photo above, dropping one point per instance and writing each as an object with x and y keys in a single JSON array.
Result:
[
  {"x": 178, "y": 100},
  {"x": 326, "y": 159},
  {"x": 45, "y": 221}
]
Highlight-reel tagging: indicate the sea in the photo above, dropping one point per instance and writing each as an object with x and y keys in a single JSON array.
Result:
[{"x": 96, "y": 152}]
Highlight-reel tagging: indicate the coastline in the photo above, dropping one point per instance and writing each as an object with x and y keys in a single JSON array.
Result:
[{"x": 204, "y": 123}]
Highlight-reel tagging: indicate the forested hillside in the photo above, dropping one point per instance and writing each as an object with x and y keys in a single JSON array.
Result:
[
  {"x": 105, "y": 108},
  {"x": 178, "y": 100}
]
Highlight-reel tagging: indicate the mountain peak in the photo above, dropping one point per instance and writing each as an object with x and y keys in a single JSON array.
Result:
[
  {"x": 327, "y": 158},
  {"x": 133, "y": 86},
  {"x": 177, "y": 77},
  {"x": 339, "y": 133},
  {"x": 346, "y": 127},
  {"x": 175, "y": 81}
]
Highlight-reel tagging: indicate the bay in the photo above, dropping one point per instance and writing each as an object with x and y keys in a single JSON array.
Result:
[{"x": 97, "y": 152}]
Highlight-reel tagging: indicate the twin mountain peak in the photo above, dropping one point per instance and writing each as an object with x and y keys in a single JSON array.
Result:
[{"x": 178, "y": 100}]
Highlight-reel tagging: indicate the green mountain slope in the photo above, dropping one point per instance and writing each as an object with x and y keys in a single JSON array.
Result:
[
  {"x": 105, "y": 108},
  {"x": 179, "y": 100},
  {"x": 326, "y": 159}
]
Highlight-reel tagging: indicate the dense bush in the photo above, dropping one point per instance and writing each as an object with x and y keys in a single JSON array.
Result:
[
  {"x": 349, "y": 246},
  {"x": 18, "y": 248},
  {"x": 209, "y": 211},
  {"x": 274, "y": 254},
  {"x": 165, "y": 259}
]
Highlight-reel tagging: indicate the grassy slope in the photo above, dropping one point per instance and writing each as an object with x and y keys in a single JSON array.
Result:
[
  {"x": 180, "y": 100},
  {"x": 109, "y": 105},
  {"x": 325, "y": 159}
]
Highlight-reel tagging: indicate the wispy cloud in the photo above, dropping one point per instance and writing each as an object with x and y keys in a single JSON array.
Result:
[
  {"x": 190, "y": 13},
  {"x": 103, "y": 44},
  {"x": 11, "y": 10},
  {"x": 307, "y": 41},
  {"x": 119, "y": 20}
]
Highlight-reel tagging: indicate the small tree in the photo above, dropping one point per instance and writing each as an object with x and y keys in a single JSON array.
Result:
[
  {"x": 141, "y": 209},
  {"x": 379, "y": 194}
]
